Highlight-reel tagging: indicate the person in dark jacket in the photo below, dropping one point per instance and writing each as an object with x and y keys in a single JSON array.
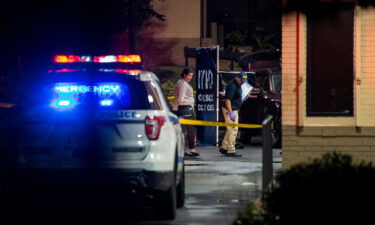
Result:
[{"x": 233, "y": 100}]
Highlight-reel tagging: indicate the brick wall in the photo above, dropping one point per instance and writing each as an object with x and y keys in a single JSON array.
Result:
[
  {"x": 310, "y": 137},
  {"x": 162, "y": 43},
  {"x": 289, "y": 66},
  {"x": 367, "y": 76}
]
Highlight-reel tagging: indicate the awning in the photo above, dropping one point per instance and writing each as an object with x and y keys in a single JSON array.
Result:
[{"x": 303, "y": 5}]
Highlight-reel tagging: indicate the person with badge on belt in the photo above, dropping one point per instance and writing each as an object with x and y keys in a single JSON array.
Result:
[{"x": 184, "y": 106}]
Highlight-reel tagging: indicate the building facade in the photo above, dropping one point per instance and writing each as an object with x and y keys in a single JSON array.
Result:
[
  {"x": 328, "y": 80},
  {"x": 204, "y": 23},
  {"x": 163, "y": 42}
]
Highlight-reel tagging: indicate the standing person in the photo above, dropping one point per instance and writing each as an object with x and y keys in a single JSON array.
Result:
[
  {"x": 233, "y": 101},
  {"x": 184, "y": 105}
]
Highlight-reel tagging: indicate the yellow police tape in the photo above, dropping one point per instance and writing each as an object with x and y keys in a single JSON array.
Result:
[
  {"x": 172, "y": 97},
  {"x": 220, "y": 124}
]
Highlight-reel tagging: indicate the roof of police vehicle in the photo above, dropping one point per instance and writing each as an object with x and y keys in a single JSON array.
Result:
[{"x": 104, "y": 67}]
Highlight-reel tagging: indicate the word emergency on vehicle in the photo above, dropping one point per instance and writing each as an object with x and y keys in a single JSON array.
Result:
[{"x": 110, "y": 88}]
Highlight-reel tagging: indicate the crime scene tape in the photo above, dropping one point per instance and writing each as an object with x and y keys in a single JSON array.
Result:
[
  {"x": 220, "y": 124},
  {"x": 172, "y": 97}
]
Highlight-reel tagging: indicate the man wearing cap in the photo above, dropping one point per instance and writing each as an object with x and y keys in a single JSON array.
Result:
[{"x": 232, "y": 101}]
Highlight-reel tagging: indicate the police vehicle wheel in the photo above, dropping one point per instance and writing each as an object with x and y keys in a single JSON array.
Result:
[
  {"x": 181, "y": 190},
  {"x": 166, "y": 204}
]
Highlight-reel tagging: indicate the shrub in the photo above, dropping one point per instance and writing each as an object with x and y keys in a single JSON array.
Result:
[
  {"x": 168, "y": 76},
  {"x": 329, "y": 190}
]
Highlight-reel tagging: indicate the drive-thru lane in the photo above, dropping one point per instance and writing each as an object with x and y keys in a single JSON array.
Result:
[{"x": 218, "y": 187}]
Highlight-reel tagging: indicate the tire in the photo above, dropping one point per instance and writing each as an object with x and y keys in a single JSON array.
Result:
[
  {"x": 181, "y": 190},
  {"x": 165, "y": 207},
  {"x": 245, "y": 137},
  {"x": 166, "y": 202}
]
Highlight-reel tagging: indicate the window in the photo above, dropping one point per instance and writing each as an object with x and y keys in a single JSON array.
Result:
[
  {"x": 276, "y": 82},
  {"x": 105, "y": 93},
  {"x": 330, "y": 60}
]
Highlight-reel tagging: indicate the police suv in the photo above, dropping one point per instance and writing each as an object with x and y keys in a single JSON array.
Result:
[{"x": 101, "y": 121}]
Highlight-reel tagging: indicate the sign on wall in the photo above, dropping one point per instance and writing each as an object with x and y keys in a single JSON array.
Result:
[{"x": 207, "y": 93}]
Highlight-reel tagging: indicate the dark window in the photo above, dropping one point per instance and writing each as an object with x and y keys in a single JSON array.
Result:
[
  {"x": 330, "y": 60},
  {"x": 276, "y": 82}
]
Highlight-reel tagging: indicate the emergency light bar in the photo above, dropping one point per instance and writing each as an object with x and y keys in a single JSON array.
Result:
[
  {"x": 97, "y": 59},
  {"x": 71, "y": 58},
  {"x": 130, "y": 72}
]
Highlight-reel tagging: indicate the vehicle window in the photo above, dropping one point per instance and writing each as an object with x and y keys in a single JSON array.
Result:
[
  {"x": 252, "y": 81},
  {"x": 165, "y": 97},
  {"x": 153, "y": 96},
  {"x": 261, "y": 80},
  {"x": 125, "y": 94},
  {"x": 276, "y": 83}
]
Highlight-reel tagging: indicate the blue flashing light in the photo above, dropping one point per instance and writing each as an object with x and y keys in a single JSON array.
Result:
[
  {"x": 106, "y": 102},
  {"x": 63, "y": 103}
]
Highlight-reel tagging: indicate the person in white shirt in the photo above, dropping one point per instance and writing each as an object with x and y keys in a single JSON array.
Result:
[{"x": 184, "y": 106}]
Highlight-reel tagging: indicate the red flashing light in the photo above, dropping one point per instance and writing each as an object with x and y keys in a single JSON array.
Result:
[
  {"x": 66, "y": 58},
  {"x": 98, "y": 59},
  {"x": 117, "y": 58},
  {"x": 105, "y": 59},
  {"x": 71, "y": 58},
  {"x": 131, "y": 72},
  {"x": 65, "y": 70},
  {"x": 129, "y": 58}
]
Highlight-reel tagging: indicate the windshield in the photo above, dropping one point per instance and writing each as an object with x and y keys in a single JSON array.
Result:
[
  {"x": 276, "y": 82},
  {"x": 110, "y": 92}
]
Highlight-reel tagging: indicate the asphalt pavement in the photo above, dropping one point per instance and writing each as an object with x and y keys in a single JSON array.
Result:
[{"x": 219, "y": 187}]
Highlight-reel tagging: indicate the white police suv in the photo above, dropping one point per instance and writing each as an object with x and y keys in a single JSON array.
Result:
[{"x": 101, "y": 121}]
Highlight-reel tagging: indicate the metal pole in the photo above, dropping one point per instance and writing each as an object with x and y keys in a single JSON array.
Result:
[
  {"x": 267, "y": 157},
  {"x": 217, "y": 92}
]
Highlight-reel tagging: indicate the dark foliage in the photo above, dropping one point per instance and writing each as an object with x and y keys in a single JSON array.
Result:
[
  {"x": 37, "y": 29},
  {"x": 330, "y": 190},
  {"x": 72, "y": 20}
]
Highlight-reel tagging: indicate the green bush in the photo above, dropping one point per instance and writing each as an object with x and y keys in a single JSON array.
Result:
[
  {"x": 329, "y": 190},
  {"x": 168, "y": 76},
  {"x": 166, "y": 73}
]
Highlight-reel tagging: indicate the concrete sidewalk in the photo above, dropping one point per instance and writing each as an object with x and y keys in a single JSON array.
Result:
[
  {"x": 250, "y": 162},
  {"x": 250, "y": 153}
]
